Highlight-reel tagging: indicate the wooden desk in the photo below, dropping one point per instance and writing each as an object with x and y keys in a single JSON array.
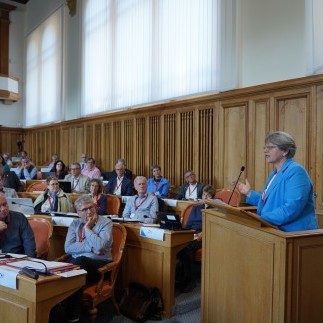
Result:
[
  {"x": 257, "y": 274},
  {"x": 33, "y": 300},
  {"x": 152, "y": 262}
]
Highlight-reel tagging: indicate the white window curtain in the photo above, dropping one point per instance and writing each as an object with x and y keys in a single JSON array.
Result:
[
  {"x": 315, "y": 35},
  {"x": 140, "y": 51},
  {"x": 44, "y": 72}
]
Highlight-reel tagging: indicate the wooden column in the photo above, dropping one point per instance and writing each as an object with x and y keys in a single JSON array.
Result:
[{"x": 4, "y": 37}]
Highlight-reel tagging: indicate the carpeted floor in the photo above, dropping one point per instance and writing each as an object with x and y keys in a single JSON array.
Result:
[{"x": 187, "y": 309}]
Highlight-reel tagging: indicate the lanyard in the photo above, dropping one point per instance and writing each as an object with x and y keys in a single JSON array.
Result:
[
  {"x": 189, "y": 190},
  {"x": 74, "y": 185},
  {"x": 81, "y": 232},
  {"x": 118, "y": 185},
  {"x": 142, "y": 202}
]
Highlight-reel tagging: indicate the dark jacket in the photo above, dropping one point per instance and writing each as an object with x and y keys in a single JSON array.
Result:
[
  {"x": 11, "y": 180},
  {"x": 183, "y": 189},
  {"x": 126, "y": 187}
]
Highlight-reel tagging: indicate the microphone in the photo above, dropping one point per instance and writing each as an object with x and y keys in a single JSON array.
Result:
[{"x": 235, "y": 185}]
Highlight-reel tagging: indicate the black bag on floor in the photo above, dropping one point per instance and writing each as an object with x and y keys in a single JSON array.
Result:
[{"x": 141, "y": 303}]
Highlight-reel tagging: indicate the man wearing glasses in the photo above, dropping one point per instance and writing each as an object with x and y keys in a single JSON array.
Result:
[
  {"x": 88, "y": 242},
  {"x": 80, "y": 183}
]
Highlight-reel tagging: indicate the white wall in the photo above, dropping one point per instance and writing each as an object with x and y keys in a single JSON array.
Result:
[
  {"x": 272, "y": 47},
  {"x": 273, "y": 43}
]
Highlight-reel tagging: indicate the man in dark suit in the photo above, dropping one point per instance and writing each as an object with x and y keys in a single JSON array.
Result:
[
  {"x": 10, "y": 180},
  {"x": 192, "y": 189},
  {"x": 107, "y": 176},
  {"x": 120, "y": 185}
]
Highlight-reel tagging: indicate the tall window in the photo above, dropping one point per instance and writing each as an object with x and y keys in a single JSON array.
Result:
[
  {"x": 139, "y": 51},
  {"x": 43, "y": 72}
]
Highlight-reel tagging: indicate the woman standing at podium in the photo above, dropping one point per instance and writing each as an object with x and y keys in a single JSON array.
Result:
[{"x": 287, "y": 199}]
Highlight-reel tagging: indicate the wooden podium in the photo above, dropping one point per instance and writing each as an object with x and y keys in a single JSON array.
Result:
[{"x": 252, "y": 273}]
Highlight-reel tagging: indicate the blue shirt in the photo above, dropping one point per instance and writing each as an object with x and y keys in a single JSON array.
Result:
[
  {"x": 19, "y": 236},
  {"x": 160, "y": 189}
]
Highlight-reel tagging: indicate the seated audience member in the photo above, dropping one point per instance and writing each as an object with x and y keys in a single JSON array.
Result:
[
  {"x": 99, "y": 199},
  {"x": 7, "y": 159},
  {"x": 26, "y": 170},
  {"x": 142, "y": 206},
  {"x": 7, "y": 192},
  {"x": 185, "y": 278},
  {"x": 16, "y": 235},
  {"x": 80, "y": 183},
  {"x": 5, "y": 166},
  {"x": 60, "y": 169},
  {"x": 157, "y": 185},
  {"x": 89, "y": 243},
  {"x": 10, "y": 180},
  {"x": 120, "y": 185},
  {"x": 90, "y": 170},
  {"x": 83, "y": 161},
  {"x": 51, "y": 164},
  {"x": 127, "y": 172},
  {"x": 22, "y": 154},
  {"x": 192, "y": 190},
  {"x": 53, "y": 199}
]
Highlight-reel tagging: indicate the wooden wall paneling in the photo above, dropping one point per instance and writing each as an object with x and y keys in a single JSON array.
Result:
[
  {"x": 128, "y": 153},
  {"x": 154, "y": 142},
  {"x": 204, "y": 145},
  {"x": 318, "y": 162},
  {"x": 109, "y": 162},
  {"x": 97, "y": 144},
  {"x": 186, "y": 142},
  {"x": 256, "y": 168},
  {"x": 235, "y": 141},
  {"x": 291, "y": 111},
  {"x": 116, "y": 144},
  {"x": 216, "y": 158},
  {"x": 140, "y": 147},
  {"x": 65, "y": 140},
  {"x": 88, "y": 143},
  {"x": 79, "y": 143},
  {"x": 9, "y": 138},
  {"x": 171, "y": 154}
]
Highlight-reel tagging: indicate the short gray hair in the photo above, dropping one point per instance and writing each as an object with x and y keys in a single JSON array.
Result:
[
  {"x": 284, "y": 141},
  {"x": 85, "y": 199},
  {"x": 138, "y": 178}
]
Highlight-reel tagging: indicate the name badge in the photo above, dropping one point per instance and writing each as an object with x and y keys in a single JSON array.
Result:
[{"x": 132, "y": 215}]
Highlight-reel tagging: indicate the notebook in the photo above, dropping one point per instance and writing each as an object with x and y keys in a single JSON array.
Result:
[
  {"x": 22, "y": 205},
  {"x": 169, "y": 221},
  {"x": 65, "y": 186}
]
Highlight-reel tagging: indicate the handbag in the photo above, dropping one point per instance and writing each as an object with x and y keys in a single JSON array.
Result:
[{"x": 141, "y": 303}]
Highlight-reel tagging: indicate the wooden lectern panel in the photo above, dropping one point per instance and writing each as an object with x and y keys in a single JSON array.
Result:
[{"x": 256, "y": 274}]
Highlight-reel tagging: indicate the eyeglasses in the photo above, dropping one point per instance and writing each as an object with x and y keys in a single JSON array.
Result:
[
  {"x": 85, "y": 210},
  {"x": 269, "y": 147},
  {"x": 53, "y": 184},
  {"x": 75, "y": 168}
]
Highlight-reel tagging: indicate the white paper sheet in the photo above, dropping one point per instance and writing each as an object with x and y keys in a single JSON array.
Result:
[
  {"x": 72, "y": 273},
  {"x": 8, "y": 277},
  {"x": 170, "y": 202},
  {"x": 152, "y": 233}
]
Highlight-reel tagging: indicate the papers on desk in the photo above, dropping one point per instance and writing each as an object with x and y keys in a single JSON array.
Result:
[
  {"x": 62, "y": 221},
  {"x": 152, "y": 233},
  {"x": 8, "y": 276}
]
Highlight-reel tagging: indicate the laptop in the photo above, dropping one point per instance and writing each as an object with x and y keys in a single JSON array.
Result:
[
  {"x": 22, "y": 205},
  {"x": 169, "y": 221},
  {"x": 66, "y": 186}
]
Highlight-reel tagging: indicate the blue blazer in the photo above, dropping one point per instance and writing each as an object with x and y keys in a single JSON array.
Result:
[
  {"x": 289, "y": 200},
  {"x": 126, "y": 186}
]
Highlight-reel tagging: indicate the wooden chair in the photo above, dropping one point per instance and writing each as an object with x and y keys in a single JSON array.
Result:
[
  {"x": 37, "y": 186},
  {"x": 224, "y": 194},
  {"x": 43, "y": 229},
  {"x": 184, "y": 218},
  {"x": 113, "y": 204},
  {"x": 95, "y": 293}
]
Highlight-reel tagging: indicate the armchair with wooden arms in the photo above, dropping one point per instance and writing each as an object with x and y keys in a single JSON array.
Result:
[
  {"x": 37, "y": 186},
  {"x": 42, "y": 227},
  {"x": 224, "y": 194},
  {"x": 95, "y": 293}
]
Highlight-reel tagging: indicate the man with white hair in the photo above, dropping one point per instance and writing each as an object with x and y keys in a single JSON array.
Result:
[{"x": 142, "y": 206}]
